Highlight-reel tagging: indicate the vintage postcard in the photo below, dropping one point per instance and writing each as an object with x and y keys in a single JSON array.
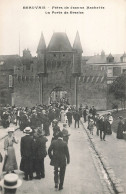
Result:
[{"x": 62, "y": 96}]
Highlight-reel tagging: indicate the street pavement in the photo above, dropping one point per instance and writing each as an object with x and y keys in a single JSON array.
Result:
[
  {"x": 82, "y": 174},
  {"x": 114, "y": 151}
]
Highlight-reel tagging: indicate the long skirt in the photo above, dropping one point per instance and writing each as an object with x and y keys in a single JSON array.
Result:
[
  {"x": 26, "y": 165},
  {"x": 10, "y": 163},
  {"x": 119, "y": 134}
]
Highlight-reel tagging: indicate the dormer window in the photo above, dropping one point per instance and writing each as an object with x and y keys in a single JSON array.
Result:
[
  {"x": 123, "y": 58},
  {"x": 110, "y": 58}
]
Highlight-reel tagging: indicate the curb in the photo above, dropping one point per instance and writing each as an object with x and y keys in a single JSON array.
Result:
[
  {"x": 117, "y": 187},
  {"x": 7, "y": 135}
]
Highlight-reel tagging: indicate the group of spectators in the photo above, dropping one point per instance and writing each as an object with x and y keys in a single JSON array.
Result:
[
  {"x": 35, "y": 123},
  {"x": 103, "y": 123}
]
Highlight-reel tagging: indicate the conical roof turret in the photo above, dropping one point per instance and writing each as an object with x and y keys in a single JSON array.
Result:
[
  {"x": 77, "y": 43},
  {"x": 42, "y": 44}
]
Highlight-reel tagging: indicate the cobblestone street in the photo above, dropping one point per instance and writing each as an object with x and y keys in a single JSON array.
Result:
[{"x": 83, "y": 174}]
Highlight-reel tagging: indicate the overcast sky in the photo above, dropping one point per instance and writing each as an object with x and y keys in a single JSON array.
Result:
[{"x": 99, "y": 29}]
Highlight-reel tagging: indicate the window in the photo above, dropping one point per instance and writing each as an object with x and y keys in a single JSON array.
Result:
[
  {"x": 10, "y": 81},
  {"x": 124, "y": 70},
  {"x": 28, "y": 66},
  {"x": 116, "y": 71}
]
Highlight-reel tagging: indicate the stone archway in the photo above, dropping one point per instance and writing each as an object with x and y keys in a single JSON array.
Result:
[{"x": 58, "y": 94}]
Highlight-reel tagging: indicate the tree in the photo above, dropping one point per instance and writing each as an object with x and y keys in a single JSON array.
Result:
[{"x": 118, "y": 88}]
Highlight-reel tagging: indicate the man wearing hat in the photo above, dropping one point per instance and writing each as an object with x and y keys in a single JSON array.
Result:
[
  {"x": 102, "y": 128},
  {"x": 97, "y": 120},
  {"x": 10, "y": 183},
  {"x": 65, "y": 133},
  {"x": 109, "y": 123},
  {"x": 56, "y": 129},
  {"x": 59, "y": 155},
  {"x": 40, "y": 154},
  {"x": 69, "y": 117},
  {"x": 27, "y": 149}
]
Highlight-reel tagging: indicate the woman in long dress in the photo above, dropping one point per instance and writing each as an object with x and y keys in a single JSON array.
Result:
[
  {"x": 120, "y": 128},
  {"x": 10, "y": 163},
  {"x": 62, "y": 114}
]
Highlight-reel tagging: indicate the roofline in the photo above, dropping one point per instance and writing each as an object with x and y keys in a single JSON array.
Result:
[
  {"x": 61, "y": 51},
  {"x": 110, "y": 64}
]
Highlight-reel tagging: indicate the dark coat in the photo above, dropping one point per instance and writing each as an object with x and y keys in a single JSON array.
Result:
[
  {"x": 69, "y": 115},
  {"x": 102, "y": 125},
  {"x": 27, "y": 146},
  {"x": 59, "y": 153},
  {"x": 27, "y": 154},
  {"x": 76, "y": 116},
  {"x": 84, "y": 113},
  {"x": 93, "y": 111},
  {"x": 40, "y": 151},
  {"x": 120, "y": 130}
]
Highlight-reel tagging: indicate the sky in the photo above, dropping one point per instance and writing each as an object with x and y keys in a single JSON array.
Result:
[{"x": 99, "y": 29}]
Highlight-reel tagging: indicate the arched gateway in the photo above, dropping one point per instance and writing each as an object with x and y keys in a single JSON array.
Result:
[{"x": 56, "y": 66}]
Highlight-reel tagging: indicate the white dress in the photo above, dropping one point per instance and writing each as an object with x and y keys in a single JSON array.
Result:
[{"x": 62, "y": 113}]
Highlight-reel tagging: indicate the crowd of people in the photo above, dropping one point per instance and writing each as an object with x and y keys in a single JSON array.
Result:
[{"x": 35, "y": 123}]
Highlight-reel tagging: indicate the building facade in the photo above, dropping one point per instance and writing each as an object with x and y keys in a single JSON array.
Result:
[{"x": 60, "y": 71}]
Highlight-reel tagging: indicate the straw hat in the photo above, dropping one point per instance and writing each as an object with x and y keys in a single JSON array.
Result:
[
  {"x": 27, "y": 130},
  {"x": 10, "y": 130},
  {"x": 11, "y": 181}
]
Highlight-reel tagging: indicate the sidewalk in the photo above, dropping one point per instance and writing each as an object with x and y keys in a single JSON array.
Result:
[
  {"x": 113, "y": 154},
  {"x": 4, "y": 131}
]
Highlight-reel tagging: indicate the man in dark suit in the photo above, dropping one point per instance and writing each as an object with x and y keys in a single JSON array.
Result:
[
  {"x": 40, "y": 154},
  {"x": 27, "y": 154},
  {"x": 84, "y": 114},
  {"x": 76, "y": 117},
  {"x": 69, "y": 117},
  {"x": 59, "y": 154}
]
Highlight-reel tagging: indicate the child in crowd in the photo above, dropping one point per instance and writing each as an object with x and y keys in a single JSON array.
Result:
[{"x": 91, "y": 126}]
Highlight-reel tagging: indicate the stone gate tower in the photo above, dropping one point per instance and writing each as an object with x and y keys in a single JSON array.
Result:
[{"x": 57, "y": 65}]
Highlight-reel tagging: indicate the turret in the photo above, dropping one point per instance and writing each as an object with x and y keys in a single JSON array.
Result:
[
  {"x": 77, "y": 44},
  {"x": 41, "y": 54},
  {"x": 77, "y": 55},
  {"x": 27, "y": 58}
]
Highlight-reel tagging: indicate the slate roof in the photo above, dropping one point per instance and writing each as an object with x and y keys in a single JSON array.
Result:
[
  {"x": 77, "y": 43},
  {"x": 102, "y": 59},
  {"x": 42, "y": 44},
  {"x": 9, "y": 61},
  {"x": 59, "y": 42}
]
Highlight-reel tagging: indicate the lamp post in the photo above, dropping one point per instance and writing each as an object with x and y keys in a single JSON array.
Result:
[
  {"x": 76, "y": 73},
  {"x": 41, "y": 86}
]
